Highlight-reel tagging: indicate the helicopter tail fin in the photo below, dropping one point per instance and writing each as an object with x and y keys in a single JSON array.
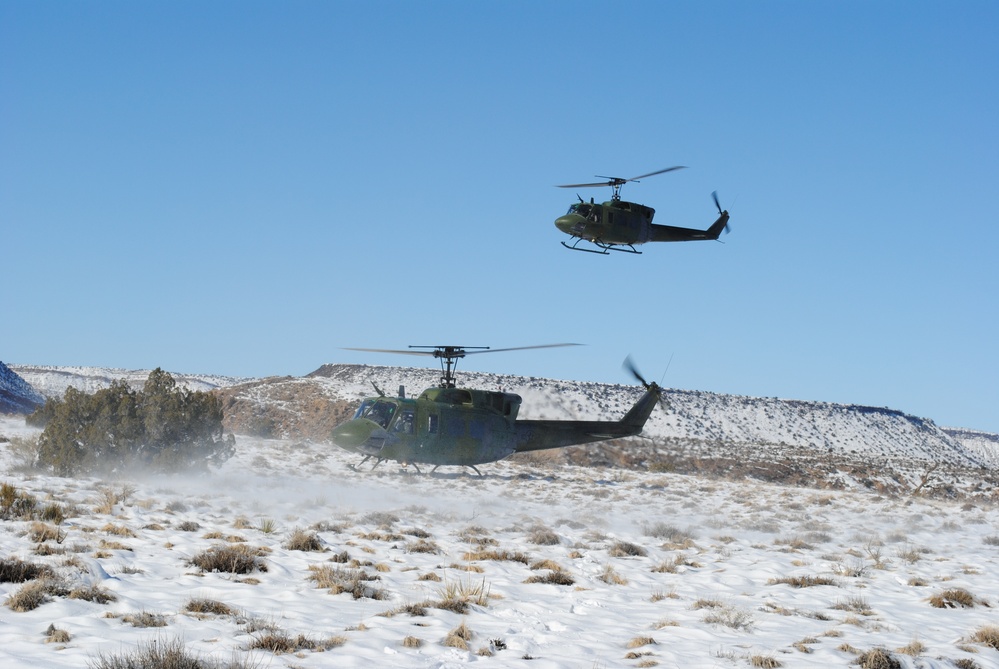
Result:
[
  {"x": 639, "y": 414},
  {"x": 718, "y": 226}
]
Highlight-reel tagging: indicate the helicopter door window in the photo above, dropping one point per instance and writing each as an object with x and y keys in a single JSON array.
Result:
[
  {"x": 432, "y": 424},
  {"x": 404, "y": 423}
]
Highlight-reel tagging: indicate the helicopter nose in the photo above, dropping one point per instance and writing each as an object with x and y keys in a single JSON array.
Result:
[
  {"x": 359, "y": 435},
  {"x": 570, "y": 224}
]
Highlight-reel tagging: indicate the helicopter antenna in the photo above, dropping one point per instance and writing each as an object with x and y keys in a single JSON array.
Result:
[{"x": 668, "y": 363}]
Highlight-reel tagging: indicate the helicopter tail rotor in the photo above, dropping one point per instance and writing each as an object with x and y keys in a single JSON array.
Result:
[
  {"x": 721, "y": 214},
  {"x": 629, "y": 365}
]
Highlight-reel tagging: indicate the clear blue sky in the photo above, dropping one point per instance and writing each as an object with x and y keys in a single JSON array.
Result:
[{"x": 244, "y": 188}]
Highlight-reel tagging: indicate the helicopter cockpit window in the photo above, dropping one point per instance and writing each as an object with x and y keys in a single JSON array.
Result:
[
  {"x": 404, "y": 423},
  {"x": 580, "y": 208},
  {"x": 363, "y": 409},
  {"x": 381, "y": 413}
]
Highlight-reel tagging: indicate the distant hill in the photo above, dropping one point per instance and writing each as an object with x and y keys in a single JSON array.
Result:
[
  {"x": 53, "y": 381},
  {"x": 16, "y": 394},
  {"x": 793, "y": 441}
]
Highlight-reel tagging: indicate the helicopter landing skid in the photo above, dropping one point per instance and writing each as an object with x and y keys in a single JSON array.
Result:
[{"x": 604, "y": 248}]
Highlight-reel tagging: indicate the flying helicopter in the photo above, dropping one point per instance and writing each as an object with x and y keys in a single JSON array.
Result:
[
  {"x": 447, "y": 425},
  {"x": 617, "y": 225}
]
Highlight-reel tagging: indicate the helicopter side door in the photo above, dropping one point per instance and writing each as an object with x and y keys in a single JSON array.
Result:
[{"x": 626, "y": 224}]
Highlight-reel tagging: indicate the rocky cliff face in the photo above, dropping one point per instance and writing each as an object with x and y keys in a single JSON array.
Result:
[{"x": 16, "y": 394}]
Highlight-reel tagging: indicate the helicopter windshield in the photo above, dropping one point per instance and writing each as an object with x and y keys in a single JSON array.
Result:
[
  {"x": 379, "y": 411},
  {"x": 580, "y": 208}
]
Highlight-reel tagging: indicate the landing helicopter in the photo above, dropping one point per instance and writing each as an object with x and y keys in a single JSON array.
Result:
[
  {"x": 447, "y": 425},
  {"x": 617, "y": 225}
]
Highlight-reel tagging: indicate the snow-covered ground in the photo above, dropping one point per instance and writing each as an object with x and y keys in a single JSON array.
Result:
[{"x": 630, "y": 569}]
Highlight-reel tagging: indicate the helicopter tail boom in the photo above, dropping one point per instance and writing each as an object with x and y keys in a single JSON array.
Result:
[{"x": 537, "y": 435}]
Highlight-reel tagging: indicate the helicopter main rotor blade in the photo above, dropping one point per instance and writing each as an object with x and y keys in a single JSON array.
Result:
[
  {"x": 453, "y": 351},
  {"x": 520, "y": 348},
  {"x": 620, "y": 181},
  {"x": 652, "y": 174},
  {"x": 630, "y": 366},
  {"x": 388, "y": 350},
  {"x": 593, "y": 185}
]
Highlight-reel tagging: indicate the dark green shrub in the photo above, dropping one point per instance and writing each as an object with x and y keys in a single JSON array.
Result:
[{"x": 161, "y": 427}]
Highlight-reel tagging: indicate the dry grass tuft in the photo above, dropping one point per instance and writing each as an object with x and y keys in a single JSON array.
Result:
[
  {"x": 966, "y": 663},
  {"x": 41, "y": 532},
  {"x": 543, "y": 536},
  {"x": 93, "y": 593},
  {"x": 301, "y": 540},
  {"x": 423, "y": 546},
  {"x": 952, "y": 599},
  {"x": 229, "y": 558},
  {"x": 878, "y": 658},
  {"x": 496, "y": 555},
  {"x": 55, "y": 635},
  {"x": 729, "y": 616},
  {"x": 855, "y": 604},
  {"x": 35, "y": 593},
  {"x": 553, "y": 577},
  {"x": 673, "y": 565},
  {"x": 412, "y": 642},
  {"x": 640, "y": 641},
  {"x": 339, "y": 579},
  {"x": 145, "y": 619},
  {"x": 802, "y": 581},
  {"x": 456, "y": 596},
  {"x": 15, "y": 570},
  {"x": 159, "y": 654},
  {"x": 611, "y": 577},
  {"x": 626, "y": 549},
  {"x": 671, "y": 534},
  {"x": 280, "y": 643},
  {"x": 914, "y": 649},
  {"x": 987, "y": 635},
  {"x": 417, "y": 610},
  {"x": 458, "y": 637},
  {"x": 215, "y": 607},
  {"x": 765, "y": 661}
]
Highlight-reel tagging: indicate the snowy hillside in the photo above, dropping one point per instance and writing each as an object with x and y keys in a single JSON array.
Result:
[
  {"x": 53, "y": 381},
  {"x": 539, "y": 567},
  {"x": 698, "y": 416},
  {"x": 792, "y": 441}
]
